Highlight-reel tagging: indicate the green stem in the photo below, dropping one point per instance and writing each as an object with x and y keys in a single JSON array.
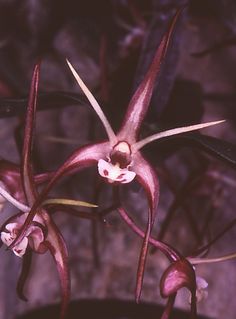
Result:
[{"x": 197, "y": 261}]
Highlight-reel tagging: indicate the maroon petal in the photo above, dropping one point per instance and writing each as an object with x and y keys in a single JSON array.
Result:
[
  {"x": 147, "y": 178},
  {"x": 26, "y": 263},
  {"x": 10, "y": 177},
  {"x": 169, "y": 306},
  {"x": 167, "y": 250},
  {"x": 84, "y": 157},
  {"x": 178, "y": 275},
  {"x": 42, "y": 178},
  {"x": 139, "y": 103},
  {"x": 26, "y": 169},
  {"x": 57, "y": 247}
]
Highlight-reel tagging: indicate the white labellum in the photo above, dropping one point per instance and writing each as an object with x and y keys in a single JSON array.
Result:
[{"x": 113, "y": 173}]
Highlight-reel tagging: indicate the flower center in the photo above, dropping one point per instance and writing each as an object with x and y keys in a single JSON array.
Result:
[
  {"x": 121, "y": 155},
  {"x": 116, "y": 170}
]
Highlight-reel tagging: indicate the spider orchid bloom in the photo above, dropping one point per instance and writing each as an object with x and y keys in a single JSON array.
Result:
[
  {"x": 42, "y": 235},
  {"x": 34, "y": 237},
  {"x": 119, "y": 159}
]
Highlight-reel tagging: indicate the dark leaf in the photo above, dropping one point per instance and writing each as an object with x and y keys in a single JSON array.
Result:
[
  {"x": 217, "y": 147},
  {"x": 14, "y": 107}
]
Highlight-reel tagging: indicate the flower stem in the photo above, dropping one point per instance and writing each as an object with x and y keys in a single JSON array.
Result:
[{"x": 197, "y": 261}]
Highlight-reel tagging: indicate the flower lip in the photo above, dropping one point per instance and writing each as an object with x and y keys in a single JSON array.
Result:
[{"x": 114, "y": 173}]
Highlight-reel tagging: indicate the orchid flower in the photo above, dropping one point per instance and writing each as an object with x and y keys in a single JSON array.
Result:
[
  {"x": 119, "y": 159},
  {"x": 178, "y": 275},
  {"x": 34, "y": 237},
  {"x": 43, "y": 234}
]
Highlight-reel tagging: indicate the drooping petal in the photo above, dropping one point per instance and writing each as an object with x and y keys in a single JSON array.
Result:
[
  {"x": 95, "y": 105},
  {"x": 179, "y": 130},
  {"x": 169, "y": 306},
  {"x": 26, "y": 168},
  {"x": 146, "y": 176},
  {"x": 26, "y": 263},
  {"x": 83, "y": 157},
  {"x": 167, "y": 250},
  {"x": 139, "y": 103},
  {"x": 57, "y": 247}
]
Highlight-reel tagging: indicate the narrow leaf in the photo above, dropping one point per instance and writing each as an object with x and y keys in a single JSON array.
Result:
[
  {"x": 65, "y": 201},
  {"x": 217, "y": 147},
  {"x": 47, "y": 100}
]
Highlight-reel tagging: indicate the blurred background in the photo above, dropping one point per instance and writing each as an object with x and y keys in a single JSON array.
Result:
[{"x": 111, "y": 43}]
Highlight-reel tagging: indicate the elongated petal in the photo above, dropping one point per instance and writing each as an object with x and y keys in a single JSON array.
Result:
[
  {"x": 57, "y": 247},
  {"x": 26, "y": 169},
  {"x": 42, "y": 178},
  {"x": 169, "y": 306},
  {"x": 84, "y": 157},
  {"x": 95, "y": 105},
  {"x": 147, "y": 178},
  {"x": 167, "y": 250},
  {"x": 139, "y": 103},
  {"x": 174, "y": 131},
  {"x": 26, "y": 263}
]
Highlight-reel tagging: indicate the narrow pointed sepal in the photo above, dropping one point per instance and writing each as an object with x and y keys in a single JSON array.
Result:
[
  {"x": 57, "y": 247},
  {"x": 94, "y": 104},
  {"x": 139, "y": 103},
  {"x": 146, "y": 176},
  {"x": 26, "y": 169},
  {"x": 26, "y": 263},
  {"x": 172, "y": 132}
]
